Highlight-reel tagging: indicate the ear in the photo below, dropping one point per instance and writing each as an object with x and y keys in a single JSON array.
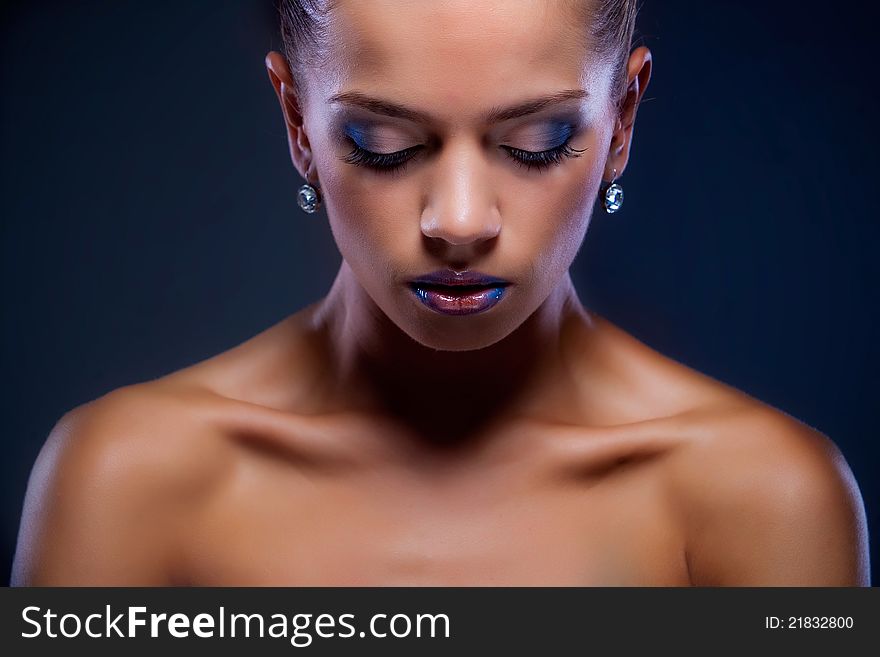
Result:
[
  {"x": 291, "y": 108},
  {"x": 638, "y": 76}
]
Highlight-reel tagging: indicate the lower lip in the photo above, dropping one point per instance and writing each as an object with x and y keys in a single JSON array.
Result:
[{"x": 450, "y": 302}]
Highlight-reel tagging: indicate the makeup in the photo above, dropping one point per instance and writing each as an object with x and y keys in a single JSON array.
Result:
[{"x": 459, "y": 293}]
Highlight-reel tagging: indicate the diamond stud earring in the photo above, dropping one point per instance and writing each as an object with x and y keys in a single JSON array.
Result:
[
  {"x": 613, "y": 197},
  {"x": 308, "y": 198}
]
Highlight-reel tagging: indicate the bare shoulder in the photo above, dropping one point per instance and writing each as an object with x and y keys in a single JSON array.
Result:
[
  {"x": 763, "y": 498},
  {"x": 117, "y": 479},
  {"x": 111, "y": 486},
  {"x": 767, "y": 500}
]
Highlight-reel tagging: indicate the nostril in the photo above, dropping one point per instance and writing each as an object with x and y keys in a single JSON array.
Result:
[{"x": 461, "y": 231}]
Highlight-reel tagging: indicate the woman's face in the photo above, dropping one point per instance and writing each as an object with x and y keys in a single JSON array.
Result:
[{"x": 422, "y": 167}]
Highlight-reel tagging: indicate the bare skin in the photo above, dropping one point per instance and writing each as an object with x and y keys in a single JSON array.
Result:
[
  {"x": 242, "y": 471},
  {"x": 367, "y": 440}
]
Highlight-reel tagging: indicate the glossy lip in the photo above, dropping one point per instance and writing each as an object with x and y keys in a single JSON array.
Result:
[{"x": 450, "y": 292}]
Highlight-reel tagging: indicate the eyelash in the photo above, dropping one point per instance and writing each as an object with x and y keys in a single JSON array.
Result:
[{"x": 392, "y": 162}]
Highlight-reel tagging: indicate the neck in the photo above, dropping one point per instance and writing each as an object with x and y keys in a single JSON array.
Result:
[{"x": 445, "y": 396}]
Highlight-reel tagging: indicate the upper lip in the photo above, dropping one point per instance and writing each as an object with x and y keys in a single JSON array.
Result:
[{"x": 452, "y": 277}]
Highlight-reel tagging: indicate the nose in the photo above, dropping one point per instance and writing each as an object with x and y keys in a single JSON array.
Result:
[{"x": 462, "y": 207}]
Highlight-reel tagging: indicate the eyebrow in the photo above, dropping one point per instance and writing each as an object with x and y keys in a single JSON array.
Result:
[{"x": 494, "y": 115}]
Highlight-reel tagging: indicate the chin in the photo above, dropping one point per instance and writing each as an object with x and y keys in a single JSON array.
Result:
[
  {"x": 469, "y": 341},
  {"x": 457, "y": 333}
]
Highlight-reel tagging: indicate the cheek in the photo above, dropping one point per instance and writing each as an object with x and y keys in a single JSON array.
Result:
[
  {"x": 548, "y": 220},
  {"x": 371, "y": 220}
]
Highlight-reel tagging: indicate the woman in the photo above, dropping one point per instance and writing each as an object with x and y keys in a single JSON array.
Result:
[{"x": 449, "y": 413}]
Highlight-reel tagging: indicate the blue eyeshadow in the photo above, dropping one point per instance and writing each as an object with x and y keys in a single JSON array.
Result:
[
  {"x": 560, "y": 132},
  {"x": 357, "y": 134}
]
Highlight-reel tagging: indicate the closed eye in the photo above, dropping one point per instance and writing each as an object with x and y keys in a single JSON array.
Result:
[
  {"x": 381, "y": 161},
  {"x": 395, "y": 162},
  {"x": 543, "y": 159}
]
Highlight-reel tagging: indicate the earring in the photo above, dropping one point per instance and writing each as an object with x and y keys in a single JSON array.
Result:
[
  {"x": 309, "y": 198},
  {"x": 613, "y": 197}
]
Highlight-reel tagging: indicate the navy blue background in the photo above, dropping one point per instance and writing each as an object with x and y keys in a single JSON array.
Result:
[{"x": 149, "y": 216}]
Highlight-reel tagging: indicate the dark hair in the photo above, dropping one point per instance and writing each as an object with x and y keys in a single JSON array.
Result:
[{"x": 304, "y": 24}]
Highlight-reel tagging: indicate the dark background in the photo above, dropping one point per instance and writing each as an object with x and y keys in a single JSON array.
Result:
[{"x": 149, "y": 217}]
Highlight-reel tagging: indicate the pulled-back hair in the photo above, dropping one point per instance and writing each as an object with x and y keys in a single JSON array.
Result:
[{"x": 611, "y": 27}]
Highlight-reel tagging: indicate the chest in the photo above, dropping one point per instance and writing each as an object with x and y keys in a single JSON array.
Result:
[{"x": 273, "y": 526}]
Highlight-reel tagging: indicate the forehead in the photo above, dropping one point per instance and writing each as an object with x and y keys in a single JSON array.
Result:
[{"x": 458, "y": 55}]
